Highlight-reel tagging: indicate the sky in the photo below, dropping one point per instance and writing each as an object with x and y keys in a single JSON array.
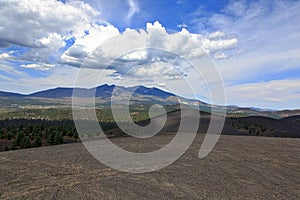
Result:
[{"x": 184, "y": 46}]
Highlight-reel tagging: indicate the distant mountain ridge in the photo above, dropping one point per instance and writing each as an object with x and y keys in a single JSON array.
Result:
[
  {"x": 10, "y": 94},
  {"x": 142, "y": 94},
  {"x": 102, "y": 91}
]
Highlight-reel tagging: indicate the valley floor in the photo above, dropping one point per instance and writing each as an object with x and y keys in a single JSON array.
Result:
[{"x": 238, "y": 168}]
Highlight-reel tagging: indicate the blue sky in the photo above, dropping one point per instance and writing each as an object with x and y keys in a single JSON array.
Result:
[{"x": 255, "y": 45}]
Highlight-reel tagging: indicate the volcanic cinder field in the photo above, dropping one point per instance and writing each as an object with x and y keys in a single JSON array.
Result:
[{"x": 239, "y": 167}]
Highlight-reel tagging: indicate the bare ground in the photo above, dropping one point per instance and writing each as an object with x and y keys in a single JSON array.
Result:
[{"x": 238, "y": 168}]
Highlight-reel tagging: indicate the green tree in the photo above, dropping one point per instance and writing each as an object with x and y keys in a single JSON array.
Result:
[
  {"x": 30, "y": 128},
  {"x": 50, "y": 139},
  {"x": 36, "y": 129},
  {"x": 75, "y": 134},
  {"x": 9, "y": 135},
  {"x": 1, "y": 134},
  {"x": 25, "y": 143},
  {"x": 58, "y": 139},
  {"x": 38, "y": 142},
  {"x": 64, "y": 132},
  {"x": 14, "y": 147},
  {"x": 70, "y": 133},
  {"x": 21, "y": 127},
  {"x": 250, "y": 130},
  {"x": 19, "y": 138},
  {"x": 257, "y": 132},
  {"x": 42, "y": 127}
]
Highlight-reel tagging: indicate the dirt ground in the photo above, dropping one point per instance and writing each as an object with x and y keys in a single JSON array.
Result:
[{"x": 239, "y": 167}]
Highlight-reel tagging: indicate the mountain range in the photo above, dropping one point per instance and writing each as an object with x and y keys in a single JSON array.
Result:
[
  {"x": 102, "y": 91},
  {"x": 239, "y": 120},
  {"x": 141, "y": 94}
]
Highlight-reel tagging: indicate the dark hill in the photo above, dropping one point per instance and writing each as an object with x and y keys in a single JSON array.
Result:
[
  {"x": 292, "y": 119},
  {"x": 271, "y": 127},
  {"x": 10, "y": 94},
  {"x": 54, "y": 93},
  {"x": 254, "y": 125}
]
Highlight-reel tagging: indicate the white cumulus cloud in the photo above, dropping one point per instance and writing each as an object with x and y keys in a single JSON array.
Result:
[
  {"x": 85, "y": 45},
  {"x": 138, "y": 50},
  {"x": 217, "y": 34},
  {"x": 27, "y": 22}
]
